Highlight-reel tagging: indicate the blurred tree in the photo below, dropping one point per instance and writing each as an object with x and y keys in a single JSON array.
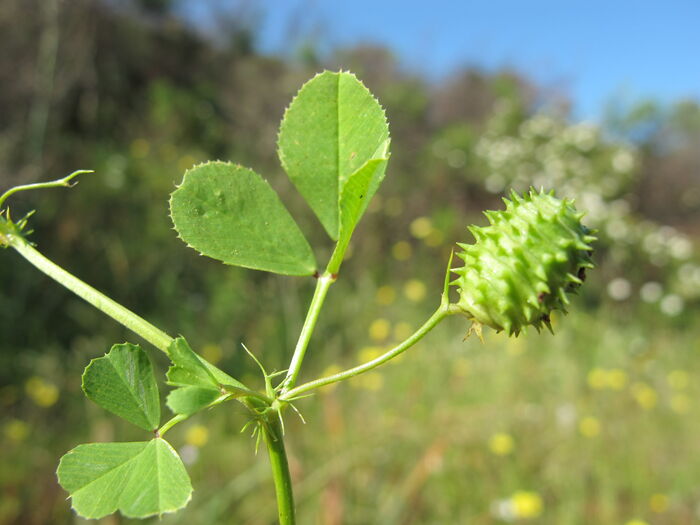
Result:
[{"x": 667, "y": 135}]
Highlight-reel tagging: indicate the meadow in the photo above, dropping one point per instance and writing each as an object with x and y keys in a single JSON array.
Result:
[{"x": 596, "y": 424}]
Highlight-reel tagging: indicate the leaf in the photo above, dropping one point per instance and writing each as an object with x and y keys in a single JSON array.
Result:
[
  {"x": 222, "y": 377},
  {"x": 229, "y": 213},
  {"x": 332, "y": 128},
  {"x": 187, "y": 400},
  {"x": 138, "y": 479},
  {"x": 188, "y": 368},
  {"x": 200, "y": 383},
  {"x": 122, "y": 382},
  {"x": 356, "y": 194}
]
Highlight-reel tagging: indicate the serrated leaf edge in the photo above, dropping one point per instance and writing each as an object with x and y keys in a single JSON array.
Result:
[
  {"x": 91, "y": 363},
  {"x": 384, "y": 145},
  {"x": 199, "y": 252}
]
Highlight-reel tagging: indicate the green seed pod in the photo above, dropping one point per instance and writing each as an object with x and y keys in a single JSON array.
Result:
[{"x": 524, "y": 263}]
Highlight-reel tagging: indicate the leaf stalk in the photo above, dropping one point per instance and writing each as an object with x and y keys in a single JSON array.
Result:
[
  {"x": 116, "y": 311},
  {"x": 443, "y": 311},
  {"x": 322, "y": 284}
]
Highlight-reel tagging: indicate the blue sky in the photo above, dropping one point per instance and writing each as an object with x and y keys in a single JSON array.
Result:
[{"x": 591, "y": 50}]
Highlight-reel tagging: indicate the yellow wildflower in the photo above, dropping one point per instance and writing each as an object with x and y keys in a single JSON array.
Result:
[
  {"x": 414, "y": 290},
  {"x": 402, "y": 251},
  {"x": 678, "y": 379},
  {"x": 613, "y": 378},
  {"x": 385, "y": 295},
  {"x": 617, "y": 379},
  {"x": 379, "y": 330},
  {"x": 526, "y": 504},
  {"x": 42, "y": 392},
  {"x": 501, "y": 444},
  {"x": 421, "y": 227},
  {"x": 597, "y": 378},
  {"x": 16, "y": 430},
  {"x": 402, "y": 331},
  {"x": 644, "y": 395},
  {"x": 197, "y": 436},
  {"x": 368, "y": 353},
  {"x": 658, "y": 503},
  {"x": 589, "y": 427}
]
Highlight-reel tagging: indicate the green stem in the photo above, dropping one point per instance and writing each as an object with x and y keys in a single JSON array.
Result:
[
  {"x": 322, "y": 285},
  {"x": 443, "y": 311},
  {"x": 122, "y": 315},
  {"x": 274, "y": 439},
  {"x": 64, "y": 182},
  {"x": 170, "y": 424}
]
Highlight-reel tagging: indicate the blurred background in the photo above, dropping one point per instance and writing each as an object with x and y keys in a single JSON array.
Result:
[{"x": 598, "y": 424}]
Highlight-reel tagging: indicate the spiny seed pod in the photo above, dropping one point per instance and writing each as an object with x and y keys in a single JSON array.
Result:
[{"x": 524, "y": 263}]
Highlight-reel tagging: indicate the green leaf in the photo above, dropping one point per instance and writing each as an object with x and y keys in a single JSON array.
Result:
[
  {"x": 122, "y": 382},
  {"x": 187, "y": 400},
  {"x": 222, "y": 377},
  {"x": 332, "y": 128},
  {"x": 188, "y": 368},
  {"x": 356, "y": 194},
  {"x": 230, "y": 213},
  {"x": 200, "y": 383},
  {"x": 138, "y": 479}
]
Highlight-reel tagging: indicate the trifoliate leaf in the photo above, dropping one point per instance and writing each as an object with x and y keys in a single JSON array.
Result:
[
  {"x": 122, "y": 382},
  {"x": 138, "y": 479}
]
